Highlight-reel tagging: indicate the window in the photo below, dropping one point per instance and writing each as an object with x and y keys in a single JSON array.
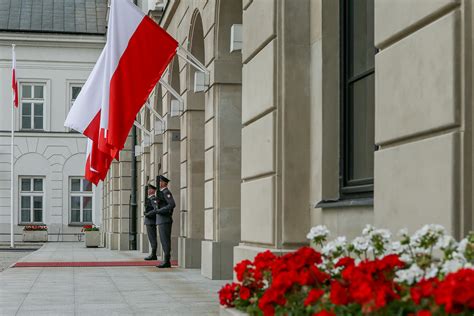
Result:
[
  {"x": 358, "y": 96},
  {"x": 74, "y": 92},
  {"x": 80, "y": 201},
  {"x": 31, "y": 200},
  {"x": 32, "y": 106}
]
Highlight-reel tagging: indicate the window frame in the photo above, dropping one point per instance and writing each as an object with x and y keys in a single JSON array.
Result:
[
  {"x": 31, "y": 194},
  {"x": 70, "y": 100},
  {"x": 359, "y": 188},
  {"x": 32, "y": 101},
  {"x": 81, "y": 194}
]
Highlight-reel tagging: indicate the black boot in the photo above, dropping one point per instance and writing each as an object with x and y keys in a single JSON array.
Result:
[
  {"x": 166, "y": 263},
  {"x": 152, "y": 256}
]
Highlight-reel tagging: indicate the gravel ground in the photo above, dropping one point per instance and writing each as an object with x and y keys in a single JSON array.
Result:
[{"x": 8, "y": 257}]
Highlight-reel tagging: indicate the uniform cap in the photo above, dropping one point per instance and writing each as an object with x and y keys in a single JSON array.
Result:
[{"x": 164, "y": 179}]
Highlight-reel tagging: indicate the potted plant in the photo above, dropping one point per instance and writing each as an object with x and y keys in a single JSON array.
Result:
[
  {"x": 35, "y": 233},
  {"x": 92, "y": 235}
]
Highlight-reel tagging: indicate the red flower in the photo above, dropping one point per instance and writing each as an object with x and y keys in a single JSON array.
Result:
[
  {"x": 227, "y": 294},
  {"x": 313, "y": 296},
  {"x": 244, "y": 293},
  {"x": 456, "y": 291},
  {"x": 423, "y": 289},
  {"x": 339, "y": 294},
  {"x": 345, "y": 262},
  {"x": 241, "y": 268},
  {"x": 423, "y": 313},
  {"x": 324, "y": 313}
]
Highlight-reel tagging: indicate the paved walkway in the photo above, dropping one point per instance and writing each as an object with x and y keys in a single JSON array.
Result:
[{"x": 103, "y": 291}]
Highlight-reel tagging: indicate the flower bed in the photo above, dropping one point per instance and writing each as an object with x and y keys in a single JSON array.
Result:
[
  {"x": 35, "y": 228},
  {"x": 92, "y": 235},
  {"x": 90, "y": 228},
  {"x": 428, "y": 273}
]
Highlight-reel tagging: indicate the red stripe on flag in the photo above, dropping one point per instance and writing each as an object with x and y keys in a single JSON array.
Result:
[
  {"x": 15, "y": 88},
  {"x": 148, "y": 53}
]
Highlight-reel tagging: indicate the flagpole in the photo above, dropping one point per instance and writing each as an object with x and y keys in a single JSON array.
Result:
[{"x": 12, "y": 236}]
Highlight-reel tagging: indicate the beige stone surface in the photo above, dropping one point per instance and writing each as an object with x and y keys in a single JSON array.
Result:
[
  {"x": 394, "y": 17},
  {"x": 418, "y": 183},
  {"x": 209, "y": 194},
  {"x": 209, "y": 134},
  {"x": 260, "y": 15},
  {"x": 209, "y": 224},
  {"x": 183, "y": 174},
  {"x": 209, "y": 164},
  {"x": 258, "y": 207},
  {"x": 258, "y": 84},
  {"x": 417, "y": 82},
  {"x": 258, "y": 147}
]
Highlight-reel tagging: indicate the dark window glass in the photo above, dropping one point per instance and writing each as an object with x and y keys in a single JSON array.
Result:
[
  {"x": 38, "y": 92},
  {"x": 26, "y": 184},
  {"x": 26, "y": 91},
  {"x": 87, "y": 186},
  {"x": 26, "y": 215},
  {"x": 38, "y": 185},
  {"x": 75, "y": 92},
  {"x": 75, "y": 185},
  {"x": 358, "y": 101}
]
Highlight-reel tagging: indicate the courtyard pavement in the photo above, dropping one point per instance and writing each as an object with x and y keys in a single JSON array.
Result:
[{"x": 103, "y": 290}]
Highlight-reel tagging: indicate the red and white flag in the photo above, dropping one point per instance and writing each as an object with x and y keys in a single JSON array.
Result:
[
  {"x": 135, "y": 56},
  {"x": 14, "y": 81}
]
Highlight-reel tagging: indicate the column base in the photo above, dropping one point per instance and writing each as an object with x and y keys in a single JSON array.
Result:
[
  {"x": 242, "y": 252},
  {"x": 189, "y": 253},
  {"x": 217, "y": 259}
]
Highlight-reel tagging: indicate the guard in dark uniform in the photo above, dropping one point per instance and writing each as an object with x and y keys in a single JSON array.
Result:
[
  {"x": 150, "y": 220},
  {"x": 164, "y": 219}
]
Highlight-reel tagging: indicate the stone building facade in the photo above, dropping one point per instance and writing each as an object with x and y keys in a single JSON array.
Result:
[
  {"x": 56, "y": 50},
  {"x": 330, "y": 114}
]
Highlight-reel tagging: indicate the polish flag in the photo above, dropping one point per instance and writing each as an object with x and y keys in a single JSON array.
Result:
[
  {"x": 14, "y": 81},
  {"x": 134, "y": 58},
  {"x": 90, "y": 174}
]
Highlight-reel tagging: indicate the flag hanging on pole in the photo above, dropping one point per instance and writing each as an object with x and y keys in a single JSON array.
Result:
[
  {"x": 135, "y": 56},
  {"x": 14, "y": 81}
]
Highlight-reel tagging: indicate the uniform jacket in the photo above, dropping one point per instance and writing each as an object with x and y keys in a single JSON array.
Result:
[
  {"x": 163, "y": 207},
  {"x": 150, "y": 219}
]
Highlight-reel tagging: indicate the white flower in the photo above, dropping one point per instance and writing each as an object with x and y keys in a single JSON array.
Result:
[
  {"x": 360, "y": 244},
  {"x": 318, "y": 231},
  {"x": 384, "y": 233},
  {"x": 431, "y": 272},
  {"x": 337, "y": 244},
  {"x": 403, "y": 232},
  {"x": 367, "y": 230},
  {"x": 406, "y": 258},
  {"x": 463, "y": 245},
  {"x": 446, "y": 242},
  {"x": 410, "y": 275},
  {"x": 452, "y": 266}
]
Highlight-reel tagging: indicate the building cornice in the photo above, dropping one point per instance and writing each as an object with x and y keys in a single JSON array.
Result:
[{"x": 52, "y": 40}]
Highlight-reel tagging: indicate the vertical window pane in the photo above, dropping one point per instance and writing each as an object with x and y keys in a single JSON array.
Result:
[
  {"x": 75, "y": 185},
  {"x": 75, "y": 216},
  {"x": 25, "y": 185},
  {"x": 38, "y": 202},
  {"x": 361, "y": 142},
  {"x": 26, "y": 109},
  {"x": 38, "y": 92},
  {"x": 75, "y": 202},
  {"x": 38, "y": 215},
  {"x": 26, "y": 91},
  {"x": 87, "y": 216},
  {"x": 38, "y": 109},
  {"x": 38, "y": 185},
  {"x": 86, "y": 186},
  {"x": 25, "y": 215},
  {"x": 361, "y": 33},
  {"x": 38, "y": 123},
  {"x": 75, "y": 92},
  {"x": 25, "y": 202},
  {"x": 26, "y": 122},
  {"x": 87, "y": 202}
]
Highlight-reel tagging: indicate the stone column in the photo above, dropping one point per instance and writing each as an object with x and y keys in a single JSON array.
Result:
[
  {"x": 275, "y": 118},
  {"x": 424, "y": 126},
  {"x": 222, "y": 144}
]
